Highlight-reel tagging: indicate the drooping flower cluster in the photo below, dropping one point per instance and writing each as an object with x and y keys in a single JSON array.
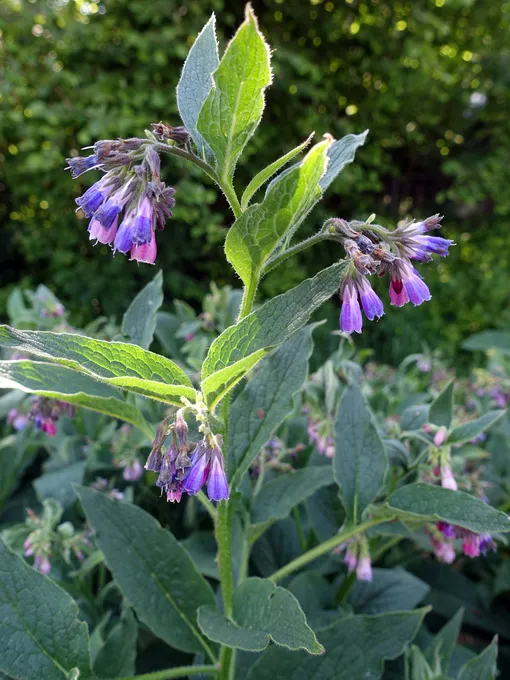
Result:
[
  {"x": 357, "y": 557},
  {"x": 46, "y": 412},
  {"x": 130, "y": 202},
  {"x": 372, "y": 249},
  {"x": 185, "y": 467},
  {"x": 17, "y": 419},
  {"x": 443, "y": 534}
]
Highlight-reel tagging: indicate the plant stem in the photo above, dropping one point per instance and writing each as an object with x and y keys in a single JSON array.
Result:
[
  {"x": 222, "y": 532},
  {"x": 323, "y": 548},
  {"x": 229, "y": 191},
  {"x": 277, "y": 259},
  {"x": 247, "y": 301},
  {"x": 182, "y": 672}
]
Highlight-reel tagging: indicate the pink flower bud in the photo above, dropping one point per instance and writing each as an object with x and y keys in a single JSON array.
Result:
[
  {"x": 440, "y": 436},
  {"x": 447, "y": 478}
]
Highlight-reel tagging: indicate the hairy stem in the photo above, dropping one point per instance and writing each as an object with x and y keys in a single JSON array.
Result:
[
  {"x": 182, "y": 672},
  {"x": 222, "y": 532},
  {"x": 280, "y": 257},
  {"x": 323, "y": 548}
]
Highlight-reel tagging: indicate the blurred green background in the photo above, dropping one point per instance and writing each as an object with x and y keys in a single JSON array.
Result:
[{"x": 430, "y": 78}]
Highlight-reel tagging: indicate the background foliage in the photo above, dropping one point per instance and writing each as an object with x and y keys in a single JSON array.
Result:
[{"x": 429, "y": 78}]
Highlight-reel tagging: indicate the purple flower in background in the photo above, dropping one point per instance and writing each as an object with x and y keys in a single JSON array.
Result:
[
  {"x": 364, "y": 569},
  {"x": 42, "y": 564},
  {"x": 133, "y": 471},
  {"x": 18, "y": 420},
  {"x": 448, "y": 530}
]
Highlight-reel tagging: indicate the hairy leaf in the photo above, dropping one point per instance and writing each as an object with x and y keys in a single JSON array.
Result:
[
  {"x": 39, "y": 629},
  {"x": 139, "y": 321},
  {"x": 391, "y": 590},
  {"x": 360, "y": 460},
  {"x": 356, "y": 647},
  {"x": 432, "y": 503},
  {"x": 441, "y": 409},
  {"x": 117, "y": 363},
  {"x": 266, "y": 401},
  {"x": 483, "y": 666},
  {"x": 262, "y": 612},
  {"x": 151, "y": 568},
  {"x": 196, "y": 82},
  {"x": 116, "y": 658},
  {"x": 276, "y": 499},
  {"x": 340, "y": 153},
  {"x": 234, "y": 105},
  {"x": 443, "y": 644},
  {"x": 80, "y": 389},
  {"x": 468, "y": 431},
  {"x": 265, "y": 174},
  {"x": 272, "y": 324},
  {"x": 255, "y": 235}
]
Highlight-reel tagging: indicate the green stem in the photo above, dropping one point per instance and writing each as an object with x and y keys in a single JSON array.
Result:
[
  {"x": 323, "y": 548},
  {"x": 182, "y": 672},
  {"x": 247, "y": 301},
  {"x": 207, "y": 505},
  {"x": 299, "y": 526},
  {"x": 229, "y": 191},
  {"x": 222, "y": 532},
  {"x": 226, "y": 659},
  {"x": 277, "y": 259}
]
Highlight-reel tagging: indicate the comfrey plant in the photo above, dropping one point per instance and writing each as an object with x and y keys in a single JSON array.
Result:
[{"x": 216, "y": 596}]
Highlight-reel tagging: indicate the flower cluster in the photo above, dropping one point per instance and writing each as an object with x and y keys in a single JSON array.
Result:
[
  {"x": 17, "y": 419},
  {"x": 130, "y": 202},
  {"x": 357, "y": 557},
  {"x": 442, "y": 535},
  {"x": 46, "y": 412},
  {"x": 185, "y": 467},
  {"x": 372, "y": 249}
]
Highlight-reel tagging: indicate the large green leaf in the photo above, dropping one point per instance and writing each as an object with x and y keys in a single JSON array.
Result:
[
  {"x": 483, "y": 666},
  {"x": 441, "y": 409},
  {"x": 254, "y": 236},
  {"x": 468, "y": 431},
  {"x": 276, "y": 499},
  {"x": 340, "y": 153},
  {"x": 117, "y": 363},
  {"x": 356, "y": 647},
  {"x": 262, "y": 612},
  {"x": 139, "y": 321},
  {"x": 116, "y": 658},
  {"x": 58, "y": 483},
  {"x": 487, "y": 340},
  {"x": 266, "y": 401},
  {"x": 152, "y": 569},
  {"x": 360, "y": 460},
  {"x": 265, "y": 174},
  {"x": 391, "y": 590},
  {"x": 39, "y": 630},
  {"x": 196, "y": 82},
  {"x": 80, "y": 389},
  {"x": 262, "y": 330},
  {"x": 433, "y": 503},
  {"x": 443, "y": 645},
  {"x": 234, "y": 106}
]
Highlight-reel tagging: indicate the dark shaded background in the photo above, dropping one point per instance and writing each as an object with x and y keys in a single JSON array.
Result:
[{"x": 430, "y": 78}]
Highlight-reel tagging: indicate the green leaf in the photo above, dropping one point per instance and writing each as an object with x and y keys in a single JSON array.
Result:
[
  {"x": 390, "y": 590},
  {"x": 234, "y": 106},
  {"x": 443, "y": 645},
  {"x": 356, "y": 647},
  {"x": 152, "y": 569},
  {"x": 488, "y": 340},
  {"x": 254, "y": 236},
  {"x": 116, "y": 658},
  {"x": 266, "y": 401},
  {"x": 117, "y": 363},
  {"x": 262, "y": 612},
  {"x": 196, "y": 82},
  {"x": 433, "y": 503},
  {"x": 40, "y": 633},
  {"x": 265, "y": 174},
  {"x": 276, "y": 499},
  {"x": 167, "y": 326},
  {"x": 139, "y": 321},
  {"x": 468, "y": 431},
  {"x": 441, "y": 409},
  {"x": 59, "y": 382},
  {"x": 360, "y": 461},
  {"x": 340, "y": 153},
  {"x": 270, "y": 326},
  {"x": 483, "y": 666},
  {"x": 57, "y": 484},
  {"x": 414, "y": 417}
]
